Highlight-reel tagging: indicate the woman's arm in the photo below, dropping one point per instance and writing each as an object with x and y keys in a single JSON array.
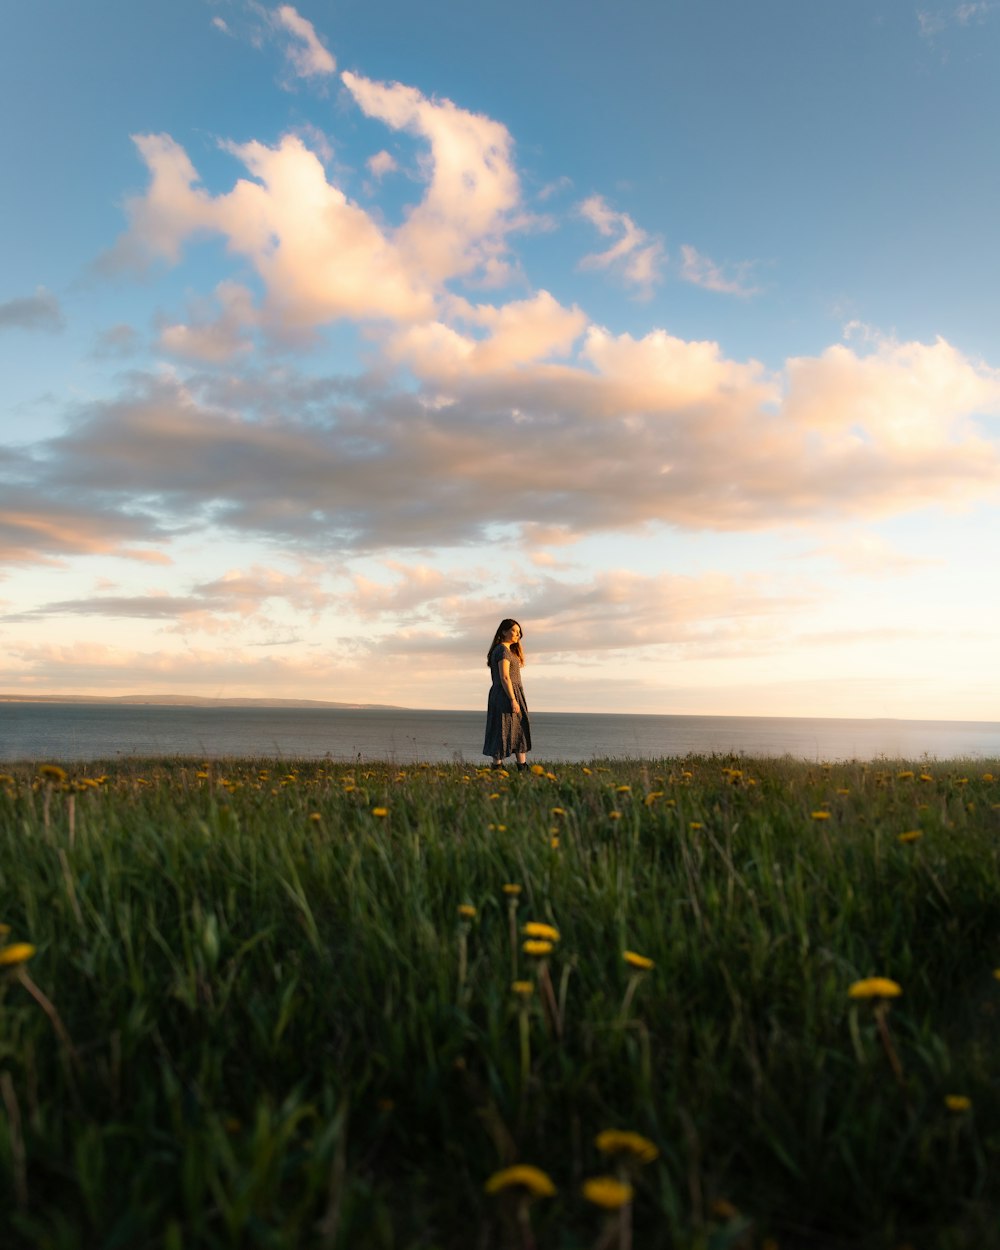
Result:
[{"x": 508, "y": 685}]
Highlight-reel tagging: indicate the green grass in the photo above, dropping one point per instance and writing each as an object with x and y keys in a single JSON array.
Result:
[{"x": 256, "y": 1018}]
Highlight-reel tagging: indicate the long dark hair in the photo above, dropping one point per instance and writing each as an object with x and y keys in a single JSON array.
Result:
[{"x": 516, "y": 647}]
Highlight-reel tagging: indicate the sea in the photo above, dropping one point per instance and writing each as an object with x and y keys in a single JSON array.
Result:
[{"x": 75, "y": 732}]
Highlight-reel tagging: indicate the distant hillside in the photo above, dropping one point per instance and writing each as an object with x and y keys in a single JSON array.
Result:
[{"x": 190, "y": 700}]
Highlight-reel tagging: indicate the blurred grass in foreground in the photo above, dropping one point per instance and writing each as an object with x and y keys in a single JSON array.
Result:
[{"x": 275, "y": 1005}]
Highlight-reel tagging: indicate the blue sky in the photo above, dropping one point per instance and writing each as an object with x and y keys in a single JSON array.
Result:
[{"x": 331, "y": 333}]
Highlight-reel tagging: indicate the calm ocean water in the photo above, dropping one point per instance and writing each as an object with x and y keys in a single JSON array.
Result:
[{"x": 79, "y": 731}]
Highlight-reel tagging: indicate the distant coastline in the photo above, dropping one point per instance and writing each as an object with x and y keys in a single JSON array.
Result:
[{"x": 193, "y": 700}]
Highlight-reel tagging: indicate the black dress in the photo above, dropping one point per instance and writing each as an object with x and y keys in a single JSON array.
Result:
[{"x": 506, "y": 734}]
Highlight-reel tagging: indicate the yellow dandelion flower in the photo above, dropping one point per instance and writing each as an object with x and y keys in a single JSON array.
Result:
[
  {"x": 550, "y": 776},
  {"x": 613, "y": 1141},
  {"x": 523, "y": 1176},
  {"x": 608, "y": 1192},
  {"x": 498, "y": 828},
  {"x": 843, "y": 790},
  {"x": 586, "y": 772},
  {"x": 696, "y": 825},
  {"x": 18, "y": 953},
  {"x": 652, "y": 796},
  {"x": 906, "y": 775},
  {"x": 820, "y": 815},
  {"x": 524, "y": 988},
  {"x": 874, "y": 987},
  {"x": 510, "y": 887},
  {"x": 52, "y": 772},
  {"x": 537, "y": 770},
  {"x": 466, "y": 910},
  {"x": 986, "y": 777},
  {"x": 554, "y": 842},
  {"x": 6, "y": 779},
  {"x": 911, "y": 835},
  {"x": 315, "y": 817},
  {"x": 537, "y": 948},
  {"x": 616, "y": 815},
  {"x": 493, "y": 797},
  {"x": 536, "y": 929},
  {"x": 957, "y": 1102},
  {"x": 623, "y": 789},
  {"x": 635, "y": 960},
  {"x": 558, "y": 811},
  {"x": 380, "y": 811},
  {"x": 926, "y": 777}
]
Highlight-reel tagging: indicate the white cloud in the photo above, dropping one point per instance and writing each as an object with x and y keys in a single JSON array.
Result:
[
  {"x": 306, "y": 54},
  {"x": 214, "y": 339},
  {"x": 635, "y": 257}
]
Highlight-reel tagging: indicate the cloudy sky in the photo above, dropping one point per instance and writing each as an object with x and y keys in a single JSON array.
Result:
[{"x": 332, "y": 333}]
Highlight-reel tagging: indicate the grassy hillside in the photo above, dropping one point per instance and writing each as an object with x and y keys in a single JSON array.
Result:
[{"x": 291, "y": 1006}]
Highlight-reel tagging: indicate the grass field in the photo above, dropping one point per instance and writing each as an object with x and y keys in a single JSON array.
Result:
[{"x": 291, "y": 1006}]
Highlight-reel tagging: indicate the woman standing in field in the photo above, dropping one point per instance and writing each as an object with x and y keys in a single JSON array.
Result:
[{"x": 508, "y": 731}]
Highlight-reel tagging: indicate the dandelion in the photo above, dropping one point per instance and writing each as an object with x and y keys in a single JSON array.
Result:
[
  {"x": 558, "y": 811},
  {"x": 652, "y": 796},
  {"x": 521, "y": 1176},
  {"x": 957, "y": 1103},
  {"x": 907, "y": 775},
  {"x": 537, "y": 770},
  {"x": 537, "y": 948},
  {"x": 17, "y": 953},
  {"x": 52, "y": 772},
  {"x": 875, "y": 987},
  {"x": 466, "y": 911},
  {"x": 635, "y": 960},
  {"x": 608, "y": 1192},
  {"x": 586, "y": 772},
  {"x": 493, "y": 797},
  {"x": 315, "y": 817},
  {"x": 615, "y": 815},
  {"x": 986, "y": 777},
  {"x": 820, "y": 815},
  {"x": 695, "y": 825},
  {"x": 523, "y": 988},
  {"x": 511, "y": 889},
  {"x": 926, "y": 777},
  {"x": 615, "y": 1141},
  {"x": 554, "y": 842},
  {"x": 843, "y": 790},
  {"x": 623, "y": 789},
  {"x": 911, "y": 835},
  {"x": 380, "y": 811},
  {"x": 536, "y": 929},
  {"x": 550, "y": 776}
]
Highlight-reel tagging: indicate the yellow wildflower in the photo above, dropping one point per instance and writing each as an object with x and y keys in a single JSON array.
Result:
[
  {"x": 926, "y": 777},
  {"x": 874, "y": 987},
  {"x": 586, "y": 772},
  {"x": 52, "y": 772},
  {"x": 535, "y": 929},
  {"x": 380, "y": 811},
  {"x": 623, "y": 1141},
  {"x": 638, "y": 961},
  {"x": 554, "y": 842},
  {"x": 608, "y": 1192},
  {"x": 986, "y": 777},
  {"x": 843, "y": 790},
  {"x": 524, "y": 988},
  {"x": 537, "y": 770},
  {"x": 512, "y": 888},
  {"x": 911, "y": 835},
  {"x": 904, "y": 776},
  {"x": 957, "y": 1102},
  {"x": 696, "y": 825},
  {"x": 652, "y": 796},
  {"x": 820, "y": 815},
  {"x": 623, "y": 789},
  {"x": 558, "y": 811},
  {"x": 466, "y": 911},
  {"x": 537, "y": 948},
  {"x": 522, "y": 1175},
  {"x": 18, "y": 953},
  {"x": 614, "y": 815},
  {"x": 315, "y": 817}
]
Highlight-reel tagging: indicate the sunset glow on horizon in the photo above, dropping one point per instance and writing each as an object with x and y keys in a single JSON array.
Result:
[{"x": 332, "y": 334}]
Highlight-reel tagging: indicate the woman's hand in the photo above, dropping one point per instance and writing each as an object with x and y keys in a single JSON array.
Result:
[{"x": 515, "y": 707}]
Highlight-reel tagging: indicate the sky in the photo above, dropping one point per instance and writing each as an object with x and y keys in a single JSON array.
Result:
[{"x": 333, "y": 333}]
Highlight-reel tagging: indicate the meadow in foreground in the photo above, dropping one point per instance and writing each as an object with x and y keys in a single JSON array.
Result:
[{"x": 710, "y": 1003}]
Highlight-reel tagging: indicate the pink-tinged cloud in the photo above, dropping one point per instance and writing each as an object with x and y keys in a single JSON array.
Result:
[
  {"x": 635, "y": 256},
  {"x": 700, "y": 271},
  {"x": 473, "y": 189},
  {"x": 306, "y": 54}
]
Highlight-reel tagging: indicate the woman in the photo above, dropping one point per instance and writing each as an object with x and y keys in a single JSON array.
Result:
[{"x": 507, "y": 729}]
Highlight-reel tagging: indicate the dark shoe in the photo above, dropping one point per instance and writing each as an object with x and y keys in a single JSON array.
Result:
[{"x": 522, "y": 768}]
